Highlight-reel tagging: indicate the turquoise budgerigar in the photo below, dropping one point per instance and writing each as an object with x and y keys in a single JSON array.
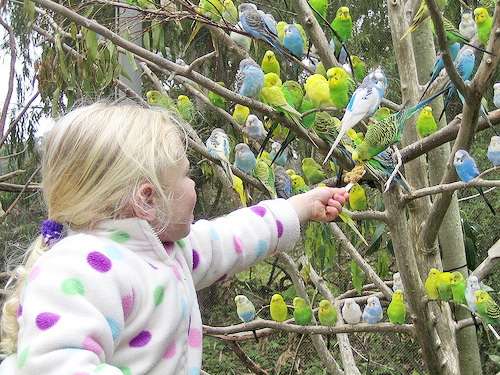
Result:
[
  {"x": 351, "y": 312},
  {"x": 218, "y": 146},
  {"x": 293, "y": 41},
  {"x": 373, "y": 312},
  {"x": 493, "y": 153},
  {"x": 249, "y": 79},
  {"x": 244, "y": 159},
  {"x": 472, "y": 287}
]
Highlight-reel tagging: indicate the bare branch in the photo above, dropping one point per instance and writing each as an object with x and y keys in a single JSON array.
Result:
[
  {"x": 473, "y": 196},
  {"x": 130, "y": 93},
  {"x": 367, "y": 215},
  {"x": 18, "y": 118},
  {"x": 487, "y": 265},
  {"x": 246, "y": 360},
  {"x": 12, "y": 72},
  {"x": 200, "y": 60},
  {"x": 10, "y": 175},
  {"x": 15, "y": 188}
]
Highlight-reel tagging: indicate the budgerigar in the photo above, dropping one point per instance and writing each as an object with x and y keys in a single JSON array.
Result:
[
  {"x": 313, "y": 172},
  {"x": 240, "y": 114},
  {"x": 396, "y": 312},
  {"x": 357, "y": 198},
  {"x": 351, "y": 312},
  {"x": 186, "y": 108},
  {"x": 484, "y": 23},
  {"x": 327, "y": 314},
  {"x": 293, "y": 41},
  {"x": 363, "y": 103},
  {"x": 340, "y": 84},
  {"x": 254, "y": 128},
  {"x": 156, "y": 98},
  {"x": 426, "y": 123},
  {"x": 397, "y": 283},
  {"x": 467, "y": 26},
  {"x": 421, "y": 15},
  {"x": 241, "y": 40},
  {"x": 293, "y": 93},
  {"x": 381, "y": 114},
  {"x": 302, "y": 312},
  {"x": 218, "y": 146},
  {"x": 282, "y": 159},
  {"x": 244, "y": 159},
  {"x": 278, "y": 308},
  {"x": 444, "y": 286},
  {"x": 211, "y": 9},
  {"x": 494, "y": 151},
  {"x": 239, "y": 188},
  {"x": 282, "y": 183},
  {"x": 298, "y": 184},
  {"x": 318, "y": 91},
  {"x": 264, "y": 173},
  {"x": 321, "y": 7},
  {"x": 359, "y": 67},
  {"x": 496, "y": 94},
  {"x": 245, "y": 310},
  {"x": 458, "y": 287},
  {"x": 342, "y": 24},
  {"x": 216, "y": 99},
  {"x": 280, "y": 30},
  {"x": 431, "y": 284},
  {"x": 230, "y": 13},
  {"x": 373, "y": 312},
  {"x": 472, "y": 287},
  {"x": 467, "y": 171},
  {"x": 487, "y": 308},
  {"x": 270, "y": 63},
  {"x": 250, "y": 78}
]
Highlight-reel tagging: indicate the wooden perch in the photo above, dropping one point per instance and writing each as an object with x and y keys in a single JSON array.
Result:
[{"x": 487, "y": 265}]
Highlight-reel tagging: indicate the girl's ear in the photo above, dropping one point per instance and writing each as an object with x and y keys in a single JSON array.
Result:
[{"x": 144, "y": 202}]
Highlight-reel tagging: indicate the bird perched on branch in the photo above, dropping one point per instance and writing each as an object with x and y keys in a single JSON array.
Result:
[
  {"x": 270, "y": 63},
  {"x": 249, "y": 78},
  {"x": 293, "y": 41},
  {"x": 342, "y": 24},
  {"x": 340, "y": 84},
  {"x": 218, "y": 146},
  {"x": 254, "y": 128},
  {"x": 494, "y": 151},
  {"x": 351, "y": 312},
  {"x": 240, "y": 114},
  {"x": 484, "y": 23},
  {"x": 282, "y": 183},
  {"x": 496, "y": 94},
  {"x": 373, "y": 312},
  {"x": 422, "y": 15},
  {"x": 458, "y": 287},
  {"x": 244, "y": 159},
  {"x": 431, "y": 284},
  {"x": 278, "y": 308},
  {"x": 396, "y": 311},
  {"x": 426, "y": 123},
  {"x": 467, "y": 26},
  {"x": 470, "y": 296},
  {"x": 245, "y": 310},
  {"x": 302, "y": 312},
  {"x": 186, "y": 108}
]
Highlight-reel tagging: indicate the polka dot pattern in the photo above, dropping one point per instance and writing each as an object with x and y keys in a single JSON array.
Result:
[
  {"x": 127, "y": 305},
  {"x": 259, "y": 210},
  {"x": 125, "y": 371},
  {"x": 181, "y": 243},
  {"x": 194, "y": 371},
  {"x": 140, "y": 340},
  {"x": 214, "y": 235},
  {"x": 114, "y": 253},
  {"x": 81, "y": 373},
  {"x": 99, "y": 261},
  {"x": 114, "y": 326},
  {"x": 73, "y": 286},
  {"x": 169, "y": 247},
  {"x": 194, "y": 338},
  {"x": 260, "y": 248},
  {"x": 119, "y": 236},
  {"x": 19, "y": 311},
  {"x": 238, "y": 246},
  {"x": 22, "y": 358},
  {"x": 196, "y": 259},
  {"x": 159, "y": 293},
  {"x": 92, "y": 345},
  {"x": 46, "y": 320},
  {"x": 170, "y": 351},
  {"x": 176, "y": 272},
  {"x": 279, "y": 228}
]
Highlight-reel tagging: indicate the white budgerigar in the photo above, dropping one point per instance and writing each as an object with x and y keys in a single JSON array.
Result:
[
  {"x": 351, "y": 312},
  {"x": 496, "y": 94},
  {"x": 397, "y": 283},
  {"x": 467, "y": 26},
  {"x": 218, "y": 146},
  {"x": 254, "y": 128},
  {"x": 472, "y": 287},
  {"x": 244, "y": 308},
  {"x": 493, "y": 153}
]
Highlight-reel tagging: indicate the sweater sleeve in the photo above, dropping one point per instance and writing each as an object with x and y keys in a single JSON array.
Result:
[
  {"x": 71, "y": 311},
  {"x": 232, "y": 243}
]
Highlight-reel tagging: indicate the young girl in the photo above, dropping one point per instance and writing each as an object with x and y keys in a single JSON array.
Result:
[{"x": 117, "y": 294}]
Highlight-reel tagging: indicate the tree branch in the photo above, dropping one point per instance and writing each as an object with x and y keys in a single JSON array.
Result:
[
  {"x": 487, "y": 265},
  {"x": 12, "y": 72},
  {"x": 18, "y": 118},
  {"x": 249, "y": 364},
  {"x": 367, "y": 215},
  {"x": 15, "y": 188},
  {"x": 10, "y": 175},
  {"x": 130, "y": 93}
]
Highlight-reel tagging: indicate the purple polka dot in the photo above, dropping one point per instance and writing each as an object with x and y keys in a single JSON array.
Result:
[
  {"x": 196, "y": 259},
  {"x": 238, "y": 246},
  {"x": 90, "y": 344},
  {"x": 19, "y": 311},
  {"x": 279, "y": 227},
  {"x": 46, "y": 320},
  {"x": 127, "y": 305},
  {"x": 99, "y": 261},
  {"x": 140, "y": 340},
  {"x": 259, "y": 210},
  {"x": 170, "y": 351},
  {"x": 169, "y": 247},
  {"x": 194, "y": 338}
]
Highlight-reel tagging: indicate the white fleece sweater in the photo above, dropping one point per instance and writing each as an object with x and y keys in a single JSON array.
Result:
[{"x": 116, "y": 301}]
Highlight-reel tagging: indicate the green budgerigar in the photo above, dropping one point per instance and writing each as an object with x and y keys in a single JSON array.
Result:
[
  {"x": 230, "y": 13},
  {"x": 487, "y": 308},
  {"x": 458, "y": 285},
  {"x": 302, "y": 312},
  {"x": 431, "y": 284},
  {"x": 397, "y": 309},
  {"x": 186, "y": 108},
  {"x": 340, "y": 84},
  {"x": 444, "y": 286},
  {"x": 216, "y": 99},
  {"x": 426, "y": 123},
  {"x": 293, "y": 93},
  {"x": 327, "y": 314},
  {"x": 313, "y": 172},
  {"x": 342, "y": 24},
  {"x": 484, "y": 23},
  {"x": 320, "y": 6},
  {"x": 278, "y": 308},
  {"x": 270, "y": 63},
  {"x": 421, "y": 15},
  {"x": 381, "y": 114},
  {"x": 156, "y": 98},
  {"x": 357, "y": 198},
  {"x": 318, "y": 91},
  {"x": 264, "y": 173},
  {"x": 298, "y": 184}
]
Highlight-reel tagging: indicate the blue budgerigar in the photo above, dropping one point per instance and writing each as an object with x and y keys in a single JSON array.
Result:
[
  {"x": 494, "y": 151},
  {"x": 254, "y": 128},
  {"x": 363, "y": 103},
  {"x": 472, "y": 287},
  {"x": 218, "y": 146},
  {"x": 467, "y": 171},
  {"x": 373, "y": 312},
  {"x": 244, "y": 159},
  {"x": 245, "y": 310},
  {"x": 259, "y": 25},
  {"x": 282, "y": 183},
  {"x": 249, "y": 79},
  {"x": 282, "y": 158},
  {"x": 293, "y": 41},
  {"x": 496, "y": 94}
]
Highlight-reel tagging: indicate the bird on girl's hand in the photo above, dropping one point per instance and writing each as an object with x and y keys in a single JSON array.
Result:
[
  {"x": 467, "y": 171},
  {"x": 493, "y": 153},
  {"x": 249, "y": 78},
  {"x": 396, "y": 311},
  {"x": 373, "y": 312},
  {"x": 302, "y": 312},
  {"x": 278, "y": 308},
  {"x": 244, "y": 159},
  {"x": 351, "y": 312}
]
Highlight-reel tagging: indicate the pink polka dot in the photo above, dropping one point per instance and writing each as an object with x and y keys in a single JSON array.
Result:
[
  {"x": 169, "y": 247},
  {"x": 176, "y": 272},
  {"x": 90, "y": 344},
  {"x": 194, "y": 338},
  {"x": 34, "y": 273},
  {"x": 99, "y": 261},
  {"x": 279, "y": 228},
  {"x": 196, "y": 259},
  {"x": 140, "y": 340},
  {"x": 258, "y": 210},
  {"x": 238, "y": 246},
  {"x": 127, "y": 305},
  {"x": 170, "y": 351},
  {"x": 46, "y": 320}
]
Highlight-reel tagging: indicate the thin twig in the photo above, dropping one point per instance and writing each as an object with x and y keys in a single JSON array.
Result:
[
  {"x": 245, "y": 359},
  {"x": 130, "y": 93},
  {"x": 12, "y": 72},
  {"x": 12, "y": 174},
  {"x": 476, "y": 195},
  {"x": 18, "y": 118}
]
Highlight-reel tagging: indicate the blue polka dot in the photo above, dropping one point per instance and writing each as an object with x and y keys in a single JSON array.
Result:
[
  {"x": 114, "y": 253},
  {"x": 184, "y": 308},
  {"x": 114, "y": 326},
  {"x": 261, "y": 248},
  {"x": 214, "y": 235},
  {"x": 194, "y": 371}
]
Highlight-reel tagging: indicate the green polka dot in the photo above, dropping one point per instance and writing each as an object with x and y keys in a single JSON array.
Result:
[
  {"x": 73, "y": 286},
  {"x": 120, "y": 236},
  {"x": 22, "y": 357},
  {"x": 101, "y": 367},
  {"x": 181, "y": 243},
  {"x": 158, "y": 295},
  {"x": 125, "y": 371}
]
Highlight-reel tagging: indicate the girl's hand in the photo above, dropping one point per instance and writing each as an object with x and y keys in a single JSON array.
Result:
[{"x": 319, "y": 204}]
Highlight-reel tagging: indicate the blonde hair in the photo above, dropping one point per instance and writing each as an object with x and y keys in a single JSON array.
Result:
[{"x": 94, "y": 160}]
